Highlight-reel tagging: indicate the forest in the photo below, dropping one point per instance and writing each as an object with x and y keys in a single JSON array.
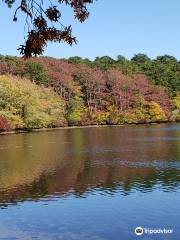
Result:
[{"x": 45, "y": 92}]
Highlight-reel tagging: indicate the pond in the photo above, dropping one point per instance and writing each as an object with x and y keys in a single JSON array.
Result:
[{"x": 91, "y": 183}]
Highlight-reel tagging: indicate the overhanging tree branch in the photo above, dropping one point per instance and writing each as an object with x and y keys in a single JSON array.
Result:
[{"x": 42, "y": 27}]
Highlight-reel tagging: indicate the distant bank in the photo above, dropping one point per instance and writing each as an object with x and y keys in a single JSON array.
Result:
[
  {"x": 18, "y": 131},
  {"x": 50, "y": 93}
]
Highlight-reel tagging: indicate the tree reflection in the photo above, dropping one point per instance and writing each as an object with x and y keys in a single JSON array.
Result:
[{"x": 82, "y": 161}]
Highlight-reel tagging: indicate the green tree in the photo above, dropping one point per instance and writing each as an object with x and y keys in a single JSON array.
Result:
[
  {"x": 143, "y": 62},
  {"x": 36, "y": 72},
  {"x": 166, "y": 73},
  {"x": 166, "y": 59},
  {"x": 140, "y": 58},
  {"x": 126, "y": 66},
  {"x": 104, "y": 62}
]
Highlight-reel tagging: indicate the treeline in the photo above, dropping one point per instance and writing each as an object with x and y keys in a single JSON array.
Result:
[
  {"x": 78, "y": 91},
  {"x": 163, "y": 70}
]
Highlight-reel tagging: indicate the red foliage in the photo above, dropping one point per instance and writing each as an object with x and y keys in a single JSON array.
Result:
[
  {"x": 152, "y": 92},
  {"x": 102, "y": 88},
  {"x": 5, "y": 125},
  {"x": 121, "y": 89},
  {"x": 61, "y": 76},
  {"x": 93, "y": 87},
  {"x": 14, "y": 69}
]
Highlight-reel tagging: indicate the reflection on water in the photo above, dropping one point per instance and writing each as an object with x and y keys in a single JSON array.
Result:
[{"x": 75, "y": 168}]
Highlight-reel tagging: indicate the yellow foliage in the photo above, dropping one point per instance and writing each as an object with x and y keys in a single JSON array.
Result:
[
  {"x": 130, "y": 117},
  {"x": 100, "y": 117},
  {"x": 114, "y": 116},
  {"x": 27, "y": 105},
  {"x": 156, "y": 112},
  {"x": 176, "y": 112},
  {"x": 177, "y": 101}
]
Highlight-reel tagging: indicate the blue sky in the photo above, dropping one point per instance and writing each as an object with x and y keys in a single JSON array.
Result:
[{"x": 125, "y": 27}]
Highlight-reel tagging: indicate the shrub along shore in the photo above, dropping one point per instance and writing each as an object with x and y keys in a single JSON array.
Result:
[{"x": 48, "y": 93}]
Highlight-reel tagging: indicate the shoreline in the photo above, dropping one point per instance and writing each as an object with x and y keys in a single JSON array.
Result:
[{"x": 18, "y": 131}]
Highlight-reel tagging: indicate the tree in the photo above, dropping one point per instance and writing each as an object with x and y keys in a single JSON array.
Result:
[
  {"x": 79, "y": 60},
  {"x": 25, "y": 104},
  {"x": 142, "y": 61},
  {"x": 104, "y": 62},
  {"x": 60, "y": 77},
  {"x": 126, "y": 66},
  {"x": 165, "y": 71},
  {"x": 75, "y": 111},
  {"x": 36, "y": 72},
  {"x": 166, "y": 59},
  {"x": 41, "y": 20},
  {"x": 141, "y": 58}
]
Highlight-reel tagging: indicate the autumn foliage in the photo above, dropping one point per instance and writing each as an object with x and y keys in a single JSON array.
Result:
[
  {"x": 78, "y": 94},
  {"x": 5, "y": 125},
  {"x": 26, "y": 105},
  {"x": 44, "y": 23},
  {"x": 106, "y": 94}
]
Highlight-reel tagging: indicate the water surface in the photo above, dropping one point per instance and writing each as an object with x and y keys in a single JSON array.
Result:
[{"x": 91, "y": 183}]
